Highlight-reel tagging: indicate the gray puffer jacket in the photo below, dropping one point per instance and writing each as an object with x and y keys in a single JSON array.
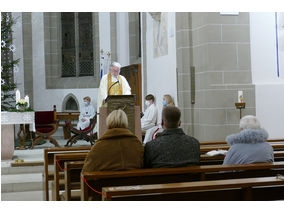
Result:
[{"x": 249, "y": 146}]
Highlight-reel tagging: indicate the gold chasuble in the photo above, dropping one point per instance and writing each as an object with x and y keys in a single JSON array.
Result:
[{"x": 117, "y": 88}]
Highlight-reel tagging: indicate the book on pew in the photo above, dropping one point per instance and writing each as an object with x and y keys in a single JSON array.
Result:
[{"x": 217, "y": 152}]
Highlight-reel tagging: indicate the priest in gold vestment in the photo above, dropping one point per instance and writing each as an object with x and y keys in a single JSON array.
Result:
[{"x": 112, "y": 84}]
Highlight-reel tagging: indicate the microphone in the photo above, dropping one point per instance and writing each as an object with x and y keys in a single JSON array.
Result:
[{"x": 117, "y": 82}]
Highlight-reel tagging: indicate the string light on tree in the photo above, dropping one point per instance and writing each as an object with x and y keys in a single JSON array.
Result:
[
  {"x": 8, "y": 63},
  {"x": 12, "y": 47},
  {"x": 3, "y": 43}
]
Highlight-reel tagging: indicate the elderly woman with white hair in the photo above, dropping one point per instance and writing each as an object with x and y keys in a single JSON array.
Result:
[
  {"x": 117, "y": 149},
  {"x": 250, "y": 145}
]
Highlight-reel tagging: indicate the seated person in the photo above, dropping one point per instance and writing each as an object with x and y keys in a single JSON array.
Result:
[
  {"x": 168, "y": 101},
  {"x": 173, "y": 148},
  {"x": 249, "y": 146},
  {"x": 151, "y": 133},
  {"x": 149, "y": 118},
  {"x": 87, "y": 112},
  {"x": 117, "y": 149}
]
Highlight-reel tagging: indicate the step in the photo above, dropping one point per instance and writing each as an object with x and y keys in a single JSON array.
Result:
[
  {"x": 21, "y": 182},
  {"x": 21, "y": 170},
  {"x": 22, "y": 196}
]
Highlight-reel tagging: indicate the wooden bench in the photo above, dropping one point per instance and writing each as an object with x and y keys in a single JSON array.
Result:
[
  {"x": 59, "y": 160},
  {"x": 264, "y": 188},
  {"x": 209, "y": 143},
  {"x": 67, "y": 117},
  {"x": 218, "y": 159},
  {"x": 100, "y": 179},
  {"x": 204, "y": 149},
  {"x": 72, "y": 175},
  {"x": 72, "y": 171},
  {"x": 49, "y": 153}
]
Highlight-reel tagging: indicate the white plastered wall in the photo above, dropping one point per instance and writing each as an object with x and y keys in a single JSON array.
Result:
[
  {"x": 161, "y": 71},
  {"x": 269, "y": 86}
]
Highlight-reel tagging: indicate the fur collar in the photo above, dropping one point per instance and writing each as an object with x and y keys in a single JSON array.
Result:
[
  {"x": 248, "y": 136},
  {"x": 116, "y": 133}
]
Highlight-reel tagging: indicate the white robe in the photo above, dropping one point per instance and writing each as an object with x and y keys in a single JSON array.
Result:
[
  {"x": 103, "y": 92},
  {"x": 150, "y": 117},
  {"x": 151, "y": 133},
  {"x": 87, "y": 112}
]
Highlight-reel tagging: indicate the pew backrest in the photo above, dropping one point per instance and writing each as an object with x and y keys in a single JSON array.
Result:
[
  {"x": 59, "y": 160},
  {"x": 49, "y": 160},
  {"x": 97, "y": 180},
  {"x": 156, "y": 191},
  {"x": 72, "y": 175}
]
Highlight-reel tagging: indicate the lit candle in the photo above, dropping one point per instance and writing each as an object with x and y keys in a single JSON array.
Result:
[
  {"x": 27, "y": 99},
  {"x": 240, "y": 97},
  {"x": 18, "y": 96}
]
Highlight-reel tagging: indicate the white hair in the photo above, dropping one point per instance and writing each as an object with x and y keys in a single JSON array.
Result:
[
  {"x": 249, "y": 122},
  {"x": 115, "y": 64}
]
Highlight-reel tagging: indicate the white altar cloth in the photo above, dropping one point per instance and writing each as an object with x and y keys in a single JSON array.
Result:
[{"x": 19, "y": 118}]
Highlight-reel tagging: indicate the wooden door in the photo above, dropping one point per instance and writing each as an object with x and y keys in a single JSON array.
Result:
[{"x": 133, "y": 75}]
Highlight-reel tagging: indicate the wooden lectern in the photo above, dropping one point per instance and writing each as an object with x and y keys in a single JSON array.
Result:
[{"x": 125, "y": 103}]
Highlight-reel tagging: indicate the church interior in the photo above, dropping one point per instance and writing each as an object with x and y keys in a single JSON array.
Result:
[{"x": 217, "y": 67}]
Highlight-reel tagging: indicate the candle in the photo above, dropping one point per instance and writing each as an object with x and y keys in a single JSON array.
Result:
[
  {"x": 27, "y": 99},
  {"x": 18, "y": 96},
  {"x": 240, "y": 97}
]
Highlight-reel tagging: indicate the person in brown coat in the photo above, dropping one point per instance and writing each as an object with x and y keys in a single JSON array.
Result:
[{"x": 117, "y": 149}]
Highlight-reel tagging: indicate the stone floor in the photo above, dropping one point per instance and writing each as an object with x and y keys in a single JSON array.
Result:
[{"x": 26, "y": 183}]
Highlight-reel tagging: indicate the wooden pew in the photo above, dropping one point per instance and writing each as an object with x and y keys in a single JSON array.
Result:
[
  {"x": 232, "y": 189},
  {"x": 218, "y": 159},
  {"x": 72, "y": 175},
  {"x": 210, "y": 143},
  {"x": 204, "y": 149},
  {"x": 59, "y": 160},
  {"x": 97, "y": 180},
  {"x": 49, "y": 160},
  {"x": 67, "y": 117},
  {"x": 72, "y": 171}
]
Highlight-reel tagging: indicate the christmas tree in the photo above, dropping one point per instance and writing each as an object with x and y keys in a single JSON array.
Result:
[{"x": 8, "y": 64}]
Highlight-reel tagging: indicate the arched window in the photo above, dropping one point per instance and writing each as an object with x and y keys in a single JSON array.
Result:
[{"x": 70, "y": 103}]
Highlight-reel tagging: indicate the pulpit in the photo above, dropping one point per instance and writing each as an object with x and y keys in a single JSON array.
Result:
[{"x": 125, "y": 103}]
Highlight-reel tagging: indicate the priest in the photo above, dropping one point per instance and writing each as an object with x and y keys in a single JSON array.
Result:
[{"x": 112, "y": 84}]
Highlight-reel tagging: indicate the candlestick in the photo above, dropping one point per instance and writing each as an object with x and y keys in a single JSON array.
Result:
[
  {"x": 27, "y": 99},
  {"x": 240, "y": 97},
  {"x": 18, "y": 95}
]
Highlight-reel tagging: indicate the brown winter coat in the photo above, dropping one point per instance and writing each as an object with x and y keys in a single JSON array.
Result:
[{"x": 117, "y": 149}]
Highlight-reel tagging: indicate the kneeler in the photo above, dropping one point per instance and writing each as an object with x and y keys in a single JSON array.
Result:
[
  {"x": 45, "y": 125},
  {"x": 83, "y": 134}
]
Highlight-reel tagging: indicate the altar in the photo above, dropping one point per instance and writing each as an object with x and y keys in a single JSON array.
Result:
[{"x": 8, "y": 120}]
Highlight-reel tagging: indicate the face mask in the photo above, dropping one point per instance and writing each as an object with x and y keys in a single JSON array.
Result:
[
  {"x": 86, "y": 103},
  {"x": 147, "y": 103},
  {"x": 165, "y": 103}
]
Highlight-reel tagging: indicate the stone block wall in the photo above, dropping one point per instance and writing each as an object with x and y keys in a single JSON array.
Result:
[
  {"x": 218, "y": 47},
  {"x": 134, "y": 38},
  {"x": 27, "y": 54},
  {"x": 52, "y": 52},
  {"x": 113, "y": 40}
]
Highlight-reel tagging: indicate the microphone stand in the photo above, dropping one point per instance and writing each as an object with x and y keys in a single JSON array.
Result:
[{"x": 117, "y": 82}]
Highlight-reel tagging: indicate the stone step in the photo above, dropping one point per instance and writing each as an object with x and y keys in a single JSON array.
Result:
[
  {"x": 22, "y": 196},
  {"x": 22, "y": 170},
  {"x": 21, "y": 182}
]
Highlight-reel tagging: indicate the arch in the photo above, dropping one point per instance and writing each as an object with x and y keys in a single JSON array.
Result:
[{"x": 70, "y": 103}]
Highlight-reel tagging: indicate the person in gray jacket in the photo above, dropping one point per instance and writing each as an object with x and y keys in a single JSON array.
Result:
[
  {"x": 249, "y": 146},
  {"x": 173, "y": 148}
]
